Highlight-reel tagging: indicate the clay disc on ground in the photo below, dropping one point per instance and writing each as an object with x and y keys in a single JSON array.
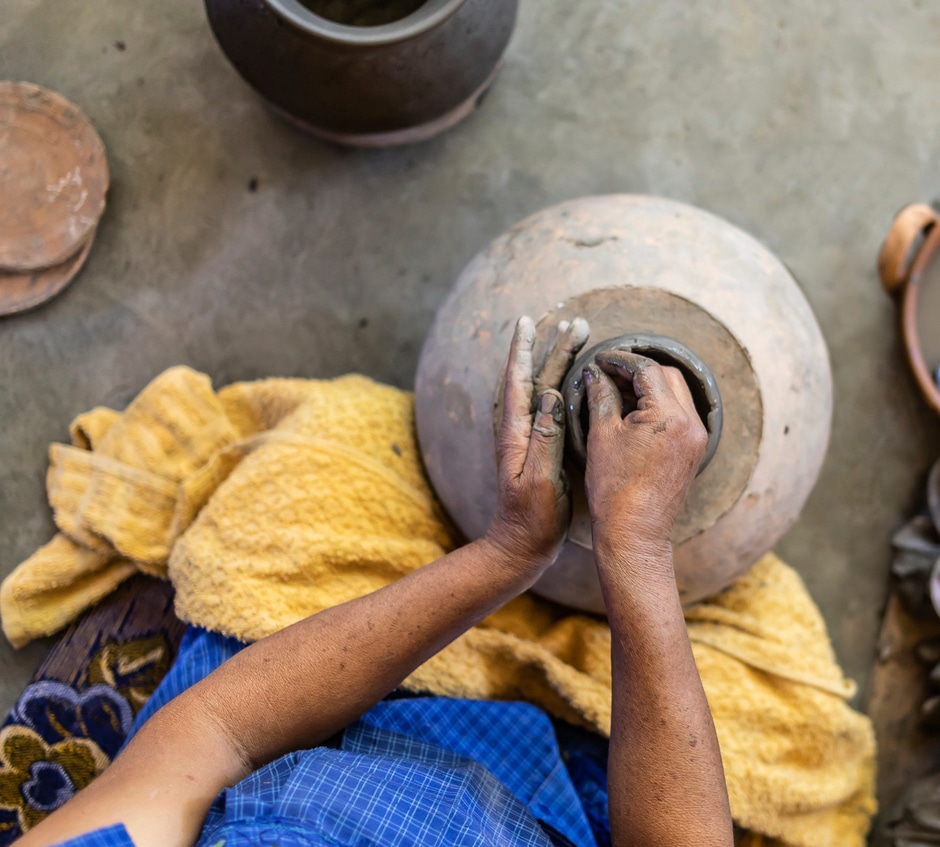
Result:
[
  {"x": 53, "y": 178},
  {"x": 23, "y": 290}
]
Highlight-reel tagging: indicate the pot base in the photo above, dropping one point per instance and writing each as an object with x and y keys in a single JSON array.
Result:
[{"x": 398, "y": 137}]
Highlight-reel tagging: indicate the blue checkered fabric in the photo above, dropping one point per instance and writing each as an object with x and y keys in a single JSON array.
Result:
[
  {"x": 110, "y": 836},
  {"x": 514, "y": 741},
  {"x": 386, "y": 790},
  {"x": 415, "y": 771}
]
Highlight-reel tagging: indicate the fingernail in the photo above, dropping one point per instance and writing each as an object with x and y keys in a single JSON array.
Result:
[
  {"x": 588, "y": 375},
  {"x": 547, "y": 403},
  {"x": 579, "y": 330}
]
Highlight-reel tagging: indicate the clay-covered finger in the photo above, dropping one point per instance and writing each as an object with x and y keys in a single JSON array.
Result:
[
  {"x": 649, "y": 380},
  {"x": 562, "y": 353},
  {"x": 516, "y": 422},
  {"x": 603, "y": 397},
  {"x": 621, "y": 363},
  {"x": 680, "y": 390},
  {"x": 547, "y": 442}
]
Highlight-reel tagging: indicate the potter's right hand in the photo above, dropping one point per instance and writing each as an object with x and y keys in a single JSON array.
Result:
[
  {"x": 533, "y": 509},
  {"x": 639, "y": 467}
]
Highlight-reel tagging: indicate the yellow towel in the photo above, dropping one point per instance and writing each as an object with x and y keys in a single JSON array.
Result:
[{"x": 268, "y": 501}]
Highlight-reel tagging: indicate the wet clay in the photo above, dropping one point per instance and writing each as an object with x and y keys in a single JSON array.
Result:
[
  {"x": 363, "y": 12},
  {"x": 928, "y": 315}
]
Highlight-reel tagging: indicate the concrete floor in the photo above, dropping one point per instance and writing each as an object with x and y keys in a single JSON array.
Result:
[{"x": 807, "y": 123}]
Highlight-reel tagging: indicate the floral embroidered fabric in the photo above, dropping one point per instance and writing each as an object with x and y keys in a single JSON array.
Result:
[{"x": 71, "y": 721}]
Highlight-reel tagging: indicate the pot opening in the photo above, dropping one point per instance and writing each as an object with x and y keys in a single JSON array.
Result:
[
  {"x": 363, "y": 12},
  {"x": 365, "y": 22}
]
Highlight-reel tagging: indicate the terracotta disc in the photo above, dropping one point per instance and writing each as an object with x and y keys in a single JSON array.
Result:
[
  {"x": 53, "y": 178},
  {"x": 24, "y": 290}
]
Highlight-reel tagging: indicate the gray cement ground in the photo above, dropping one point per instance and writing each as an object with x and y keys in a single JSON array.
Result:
[{"x": 808, "y": 123}]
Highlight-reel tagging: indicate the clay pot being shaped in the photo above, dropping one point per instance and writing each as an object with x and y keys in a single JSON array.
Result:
[
  {"x": 676, "y": 284},
  {"x": 351, "y": 72}
]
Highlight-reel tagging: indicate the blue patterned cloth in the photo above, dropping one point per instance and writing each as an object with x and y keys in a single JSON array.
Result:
[
  {"x": 412, "y": 771},
  {"x": 110, "y": 836}
]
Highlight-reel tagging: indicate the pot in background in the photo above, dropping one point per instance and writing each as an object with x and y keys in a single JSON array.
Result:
[
  {"x": 909, "y": 267},
  {"x": 673, "y": 283},
  {"x": 371, "y": 86}
]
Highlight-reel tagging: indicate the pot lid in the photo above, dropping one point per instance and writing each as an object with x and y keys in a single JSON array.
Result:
[
  {"x": 21, "y": 291},
  {"x": 53, "y": 178}
]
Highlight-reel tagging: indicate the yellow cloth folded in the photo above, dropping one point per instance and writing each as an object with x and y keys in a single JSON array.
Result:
[{"x": 269, "y": 501}]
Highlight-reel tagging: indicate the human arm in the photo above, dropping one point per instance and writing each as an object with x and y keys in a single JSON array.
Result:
[
  {"x": 300, "y": 686},
  {"x": 666, "y": 782}
]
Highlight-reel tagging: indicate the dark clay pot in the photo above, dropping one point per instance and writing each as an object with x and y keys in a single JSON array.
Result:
[{"x": 396, "y": 83}]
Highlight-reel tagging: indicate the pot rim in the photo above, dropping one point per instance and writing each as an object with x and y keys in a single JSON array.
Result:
[
  {"x": 927, "y": 254},
  {"x": 423, "y": 19}
]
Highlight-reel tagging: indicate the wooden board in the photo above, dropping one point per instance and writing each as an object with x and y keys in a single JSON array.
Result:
[
  {"x": 140, "y": 608},
  {"x": 897, "y": 689}
]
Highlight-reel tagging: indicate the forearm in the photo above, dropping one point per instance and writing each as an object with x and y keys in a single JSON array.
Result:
[
  {"x": 666, "y": 780},
  {"x": 307, "y": 682},
  {"x": 292, "y": 690}
]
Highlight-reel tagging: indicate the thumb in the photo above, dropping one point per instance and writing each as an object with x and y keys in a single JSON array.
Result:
[
  {"x": 603, "y": 398},
  {"x": 547, "y": 442}
]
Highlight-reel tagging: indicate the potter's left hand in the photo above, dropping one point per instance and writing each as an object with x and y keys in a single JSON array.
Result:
[{"x": 533, "y": 508}]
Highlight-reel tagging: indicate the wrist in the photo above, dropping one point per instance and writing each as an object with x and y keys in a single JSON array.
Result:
[
  {"x": 632, "y": 536},
  {"x": 634, "y": 559},
  {"x": 635, "y": 515},
  {"x": 510, "y": 549}
]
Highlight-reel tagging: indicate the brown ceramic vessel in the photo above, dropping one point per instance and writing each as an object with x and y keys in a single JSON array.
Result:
[
  {"x": 909, "y": 268},
  {"x": 640, "y": 265},
  {"x": 368, "y": 86}
]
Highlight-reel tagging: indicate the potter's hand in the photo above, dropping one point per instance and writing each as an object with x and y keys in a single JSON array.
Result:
[
  {"x": 533, "y": 508},
  {"x": 639, "y": 467}
]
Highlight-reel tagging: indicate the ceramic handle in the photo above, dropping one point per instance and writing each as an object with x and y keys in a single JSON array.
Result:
[{"x": 900, "y": 247}]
